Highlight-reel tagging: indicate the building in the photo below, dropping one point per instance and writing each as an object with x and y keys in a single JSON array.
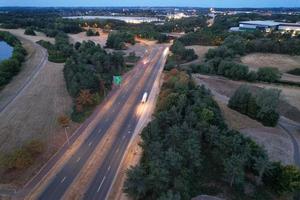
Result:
[
  {"x": 289, "y": 27},
  {"x": 268, "y": 26},
  {"x": 258, "y": 25}
]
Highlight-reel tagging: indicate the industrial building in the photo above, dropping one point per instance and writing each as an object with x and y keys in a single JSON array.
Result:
[{"x": 268, "y": 26}]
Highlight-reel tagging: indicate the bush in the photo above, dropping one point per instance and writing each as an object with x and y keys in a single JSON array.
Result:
[
  {"x": 283, "y": 179},
  {"x": 117, "y": 40},
  {"x": 29, "y": 31},
  {"x": 90, "y": 32},
  {"x": 60, "y": 51},
  {"x": 220, "y": 52},
  {"x": 295, "y": 71},
  {"x": 262, "y": 106},
  {"x": 233, "y": 70},
  {"x": 181, "y": 54},
  {"x": 252, "y": 76},
  {"x": 268, "y": 74}
]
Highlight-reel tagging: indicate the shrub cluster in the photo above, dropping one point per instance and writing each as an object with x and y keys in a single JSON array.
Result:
[
  {"x": 90, "y": 32},
  {"x": 181, "y": 54},
  {"x": 10, "y": 67},
  {"x": 261, "y": 106},
  {"x": 117, "y": 40},
  {"x": 29, "y": 31},
  {"x": 295, "y": 71},
  {"x": 60, "y": 51}
]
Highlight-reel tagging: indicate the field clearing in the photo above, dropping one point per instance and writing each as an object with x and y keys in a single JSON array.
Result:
[
  {"x": 37, "y": 37},
  {"x": 200, "y": 52},
  {"x": 33, "y": 114},
  {"x": 274, "y": 140},
  {"x": 283, "y": 62},
  {"x": 80, "y": 37},
  {"x": 43, "y": 101}
]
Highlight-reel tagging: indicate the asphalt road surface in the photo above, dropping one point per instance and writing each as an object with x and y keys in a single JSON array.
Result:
[{"x": 142, "y": 80}]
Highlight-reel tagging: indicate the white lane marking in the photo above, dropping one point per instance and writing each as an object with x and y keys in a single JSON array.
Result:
[
  {"x": 101, "y": 183},
  {"x": 119, "y": 103},
  {"x": 78, "y": 159},
  {"x": 108, "y": 168},
  {"x": 106, "y": 120},
  {"x": 129, "y": 131},
  {"x": 90, "y": 143},
  {"x": 124, "y": 137},
  {"x": 100, "y": 131},
  {"x": 63, "y": 180}
]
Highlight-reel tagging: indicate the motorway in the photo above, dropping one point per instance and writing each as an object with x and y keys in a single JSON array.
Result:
[{"x": 125, "y": 104}]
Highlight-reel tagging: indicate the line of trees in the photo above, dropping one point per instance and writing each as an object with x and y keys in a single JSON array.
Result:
[
  {"x": 220, "y": 61},
  {"x": 188, "y": 146},
  {"x": 88, "y": 74},
  {"x": 10, "y": 67},
  {"x": 261, "y": 106},
  {"x": 236, "y": 71}
]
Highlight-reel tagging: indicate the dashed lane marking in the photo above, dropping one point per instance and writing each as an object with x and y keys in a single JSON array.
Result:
[{"x": 101, "y": 183}]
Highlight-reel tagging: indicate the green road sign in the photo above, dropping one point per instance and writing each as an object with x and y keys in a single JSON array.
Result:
[{"x": 117, "y": 80}]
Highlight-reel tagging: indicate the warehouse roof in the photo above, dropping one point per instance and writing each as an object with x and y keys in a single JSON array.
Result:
[{"x": 264, "y": 23}]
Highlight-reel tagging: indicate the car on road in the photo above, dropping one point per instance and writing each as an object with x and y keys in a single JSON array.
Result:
[{"x": 144, "y": 99}]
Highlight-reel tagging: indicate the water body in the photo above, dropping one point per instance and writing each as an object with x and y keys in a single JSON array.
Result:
[
  {"x": 5, "y": 50},
  {"x": 133, "y": 20}
]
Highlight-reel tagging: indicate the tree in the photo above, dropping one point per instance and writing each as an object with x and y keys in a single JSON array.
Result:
[
  {"x": 239, "y": 100},
  {"x": 84, "y": 98},
  {"x": 64, "y": 121},
  {"x": 261, "y": 164},
  {"x": 267, "y": 100},
  {"x": 234, "y": 170},
  {"x": 29, "y": 31},
  {"x": 134, "y": 184},
  {"x": 268, "y": 74}
]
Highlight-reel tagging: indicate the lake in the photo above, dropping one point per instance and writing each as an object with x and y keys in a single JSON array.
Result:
[
  {"x": 5, "y": 50},
  {"x": 133, "y": 20}
]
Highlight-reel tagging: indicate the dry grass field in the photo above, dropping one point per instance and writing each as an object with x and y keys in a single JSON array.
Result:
[
  {"x": 20, "y": 33},
  {"x": 80, "y": 37},
  {"x": 282, "y": 62},
  {"x": 33, "y": 113}
]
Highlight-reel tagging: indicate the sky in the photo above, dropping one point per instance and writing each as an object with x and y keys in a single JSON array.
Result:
[{"x": 188, "y": 3}]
